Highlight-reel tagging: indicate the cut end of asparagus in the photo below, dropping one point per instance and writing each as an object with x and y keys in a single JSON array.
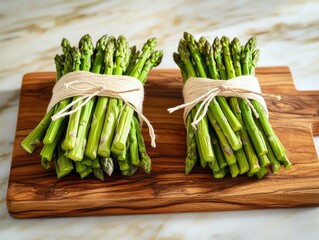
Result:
[
  {"x": 263, "y": 172},
  {"x": 117, "y": 148},
  {"x": 29, "y": 147},
  {"x": 45, "y": 163}
]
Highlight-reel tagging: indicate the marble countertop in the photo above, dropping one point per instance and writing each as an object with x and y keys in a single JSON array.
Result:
[{"x": 31, "y": 32}]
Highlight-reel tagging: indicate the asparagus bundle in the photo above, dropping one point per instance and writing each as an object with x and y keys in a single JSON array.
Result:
[
  {"x": 229, "y": 138},
  {"x": 105, "y": 133}
]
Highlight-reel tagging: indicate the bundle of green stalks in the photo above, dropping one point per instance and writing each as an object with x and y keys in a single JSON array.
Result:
[
  {"x": 229, "y": 138},
  {"x": 105, "y": 133}
]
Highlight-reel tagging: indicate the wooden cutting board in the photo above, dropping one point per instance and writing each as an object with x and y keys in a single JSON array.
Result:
[{"x": 35, "y": 192}]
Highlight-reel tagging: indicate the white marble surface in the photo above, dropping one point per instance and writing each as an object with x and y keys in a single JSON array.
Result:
[{"x": 30, "y": 33}]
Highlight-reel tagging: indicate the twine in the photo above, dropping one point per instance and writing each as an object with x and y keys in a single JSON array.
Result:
[
  {"x": 88, "y": 85},
  {"x": 203, "y": 90}
]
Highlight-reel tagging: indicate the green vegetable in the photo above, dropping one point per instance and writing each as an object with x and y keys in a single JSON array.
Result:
[
  {"x": 105, "y": 133},
  {"x": 239, "y": 142}
]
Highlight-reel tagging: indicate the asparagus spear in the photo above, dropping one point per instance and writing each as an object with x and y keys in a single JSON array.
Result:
[
  {"x": 181, "y": 66},
  {"x": 204, "y": 142},
  {"x": 219, "y": 174},
  {"x": 70, "y": 136},
  {"x": 54, "y": 126},
  {"x": 218, "y": 151},
  {"x": 82, "y": 57},
  {"x": 145, "y": 160},
  {"x": 113, "y": 109},
  {"x": 247, "y": 145},
  {"x": 235, "y": 53},
  {"x": 52, "y": 131},
  {"x": 226, "y": 148},
  {"x": 191, "y": 156},
  {"x": 76, "y": 154},
  {"x": 134, "y": 154},
  {"x": 214, "y": 106},
  {"x": 233, "y": 121},
  {"x": 107, "y": 165},
  {"x": 195, "y": 54},
  {"x": 122, "y": 130},
  {"x": 49, "y": 149},
  {"x": 63, "y": 165},
  {"x": 100, "y": 109},
  {"x": 131, "y": 51},
  {"x": 34, "y": 138},
  {"x": 217, "y": 48},
  {"x": 153, "y": 61},
  {"x": 232, "y": 138},
  {"x": 234, "y": 170},
  {"x": 132, "y": 62},
  {"x": 254, "y": 133}
]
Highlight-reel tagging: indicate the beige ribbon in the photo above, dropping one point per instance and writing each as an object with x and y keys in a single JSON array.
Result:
[
  {"x": 203, "y": 90},
  {"x": 88, "y": 85}
]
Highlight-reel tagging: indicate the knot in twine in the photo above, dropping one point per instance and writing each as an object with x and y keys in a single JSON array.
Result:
[
  {"x": 203, "y": 90},
  {"x": 87, "y": 85}
]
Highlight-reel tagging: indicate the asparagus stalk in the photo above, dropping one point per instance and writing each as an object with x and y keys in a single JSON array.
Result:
[
  {"x": 52, "y": 132},
  {"x": 100, "y": 109},
  {"x": 218, "y": 151},
  {"x": 181, "y": 66},
  {"x": 191, "y": 143},
  {"x": 63, "y": 165},
  {"x": 82, "y": 57},
  {"x": 54, "y": 126},
  {"x": 226, "y": 148},
  {"x": 205, "y": 148},
  {"x": 190, "y": 43},
  {"x": 154, "y": 60},
  {"x": 233, "y": 121},
  {"x": 277, "y": 148},
  {"x": 134, "y": 154},
  {"x": 234, "y": 170},
  {"x": 219, "y": 174},
  {"x": 206, "y": 154},
  {"x": 107, "y": 165},
  {"x": 76, "y": 154},
  {"x": 274, "y": 142},
  {"x": 217, "y": 48},
  {"x": 247, "y": 145},
  {"x": 122, "y": 130},
  {"x": 145, "y": 160},
  {"x": 113, "y": 108},
  {"x": 254, "y": 133},
  {"x": 49, "y": 149},
  {"x": 242, "y": 161},
  {"x": 132, "y": 62},
  {"x": 71, "y": 132},
  {"x": 34, "y": 138},
  {"x": 191, "y": 156},
  {"x": 232, "y": 138},
  {"x": 235, "y": 53}
]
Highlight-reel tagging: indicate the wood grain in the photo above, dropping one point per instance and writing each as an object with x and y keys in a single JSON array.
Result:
[{"x": 35, "y": 192}]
